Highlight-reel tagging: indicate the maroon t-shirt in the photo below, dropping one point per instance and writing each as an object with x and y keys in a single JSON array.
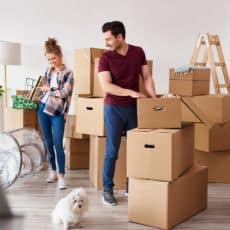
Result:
[{"x": 125, "y": 72}]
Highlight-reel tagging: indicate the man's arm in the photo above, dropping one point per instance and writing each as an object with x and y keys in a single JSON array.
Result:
[
  {"x": 148, "y": 81},
  {"x": 110, "y": 88}
]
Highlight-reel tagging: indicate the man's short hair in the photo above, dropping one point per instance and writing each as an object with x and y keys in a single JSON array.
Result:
[{"x": 116, "y": 28}]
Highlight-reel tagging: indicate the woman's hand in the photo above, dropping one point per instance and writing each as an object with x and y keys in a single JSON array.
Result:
[{"x": 44, "y": 88}]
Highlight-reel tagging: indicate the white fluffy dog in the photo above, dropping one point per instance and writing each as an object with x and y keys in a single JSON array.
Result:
[{"x": 70, "y": 209}]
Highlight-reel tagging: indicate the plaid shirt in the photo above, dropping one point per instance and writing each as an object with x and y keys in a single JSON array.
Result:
[{"x": 59, "y": 105}]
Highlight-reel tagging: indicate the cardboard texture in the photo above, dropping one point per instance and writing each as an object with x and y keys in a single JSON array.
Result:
[
  {"x": 90, "y": 116},
  {"x": 166, "y": 204},
  {"x": 84, "y": 69},
  {"x": 70, "y": 128},
  {"x": 195, "y": 82},
  {"x": 20, "y": 118},
  {"x": 77, "y": 153},
  {"x": 97, "y": 151},
  {"x": 215, "y": 108},
  {"x": 214, "y": 139},
  {"x": 217, "y": 163},
  {"x": 159, "y": 113},
  {"x": 161, "y": 154}
]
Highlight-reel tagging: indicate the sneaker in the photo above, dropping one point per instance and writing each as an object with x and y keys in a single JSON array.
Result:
[
  {"x": 61, "y": 184},
  {"x": 52, "y": 177},
  {"x": 108, "y": 198}
]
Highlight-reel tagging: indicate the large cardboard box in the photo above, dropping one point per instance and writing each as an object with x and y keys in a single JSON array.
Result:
[
  {"x": 217, "y": 163},
  {"x": 161, "y": 154},
  {"x": 212, "y": 139},
  {"x": 20, "y": 118},
  {"x": 97, "y": 151},
  {"x": 166, "y": 204},
  {"x": 195, "y": 82},
  {"x": 70, "y": 128},
  {"x": 216, "y": 108},
  {"x": 84, "y": 69},
  {"x": 90, "y": 116},
  {"x": 187, "y": 115},
  {"x": 159, "y": 113},
  {"x": 77, "y": 153}
]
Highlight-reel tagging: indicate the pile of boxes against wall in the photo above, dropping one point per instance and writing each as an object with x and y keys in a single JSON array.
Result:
[{"x": 211, "y": 116}]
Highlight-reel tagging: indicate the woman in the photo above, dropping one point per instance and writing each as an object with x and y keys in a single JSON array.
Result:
[{"x": 54, "y": 101}]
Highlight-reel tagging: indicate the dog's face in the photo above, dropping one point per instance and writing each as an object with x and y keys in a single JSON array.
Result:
[{"x": 79, "y": 201}]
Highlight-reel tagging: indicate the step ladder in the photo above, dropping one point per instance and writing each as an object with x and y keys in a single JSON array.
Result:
[{"x": 208, "y": 41}]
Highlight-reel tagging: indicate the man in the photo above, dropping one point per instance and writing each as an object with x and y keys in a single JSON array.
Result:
[{"x": 119, "y": 71}]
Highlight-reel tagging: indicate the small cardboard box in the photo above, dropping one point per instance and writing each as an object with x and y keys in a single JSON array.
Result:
[
  {"x": 20, "y": 118},
  {"x": 212, "y": 139},
  {"x": 90, "y": 116},
  {"x": 160, "y": 154},
  {"x": 215, "y": 108},
  {"x": 70, "y": 128},
  {"x": 162, "y": 113},
  {"x": 166, "y": 204},
  {"x": 97, "y": 151},
  {"x": 84, "y": 69},
  {"x": 195, "y": 82},
  {"x": 217, "y": 163},
  {"x": 77, "y": 153}
]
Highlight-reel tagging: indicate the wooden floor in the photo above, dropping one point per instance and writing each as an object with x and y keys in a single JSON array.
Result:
[{"x": 35, "y": 199}]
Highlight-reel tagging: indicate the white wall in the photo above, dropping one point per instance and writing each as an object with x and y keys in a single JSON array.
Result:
[{"x": 166, "y": 29}]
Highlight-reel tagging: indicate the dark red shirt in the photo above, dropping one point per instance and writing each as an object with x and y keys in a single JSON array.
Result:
[{"x": 125, "y": 72}]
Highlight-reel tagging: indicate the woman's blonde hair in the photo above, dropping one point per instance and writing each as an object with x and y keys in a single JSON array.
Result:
[{"x": 51, "y": 46}]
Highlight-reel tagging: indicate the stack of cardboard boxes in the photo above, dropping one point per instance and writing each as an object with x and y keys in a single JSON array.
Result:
[
  {"x": 90, "y": 116},
  {"x": 211, "y": 116},
  {"x": 76, "y": 146},
  {"x": 166, "y": 187}
]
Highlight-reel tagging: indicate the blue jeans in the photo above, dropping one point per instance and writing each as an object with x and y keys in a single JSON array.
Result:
[
  {"x": 52, "y": 131},
  {"x": 118, "y": 119}
]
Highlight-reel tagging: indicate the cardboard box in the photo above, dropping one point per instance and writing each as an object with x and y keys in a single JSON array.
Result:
[
  {"x": 70, "y": 128},
  {"x": 213, "y": 139},
  {"x": 20, "y": 118},
  {"x": 97, "y": 151},
  {"x": 195, "y": 82},
  {"x": 84, "y": 69},
  {"x": 159, "y": 113},
  {"x": 90, "y": 116},
  {"x": 166, "y": 204},
  {"x": 187, "y": 115},
  {"x": 77, "y": 153},
  {"x": 217, "y": 163},
  {"x": 215, "y": 108},
  {"x": 160, "y": 154}
]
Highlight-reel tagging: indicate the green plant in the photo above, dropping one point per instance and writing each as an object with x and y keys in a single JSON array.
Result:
[{"x": 1, "y": 90}]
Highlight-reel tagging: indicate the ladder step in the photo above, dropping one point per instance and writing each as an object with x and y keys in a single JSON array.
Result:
[
  {"x": 223, "y": 85},
  {"x": 200, "y": 63},
  {"x": 222, "y": 64}
]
